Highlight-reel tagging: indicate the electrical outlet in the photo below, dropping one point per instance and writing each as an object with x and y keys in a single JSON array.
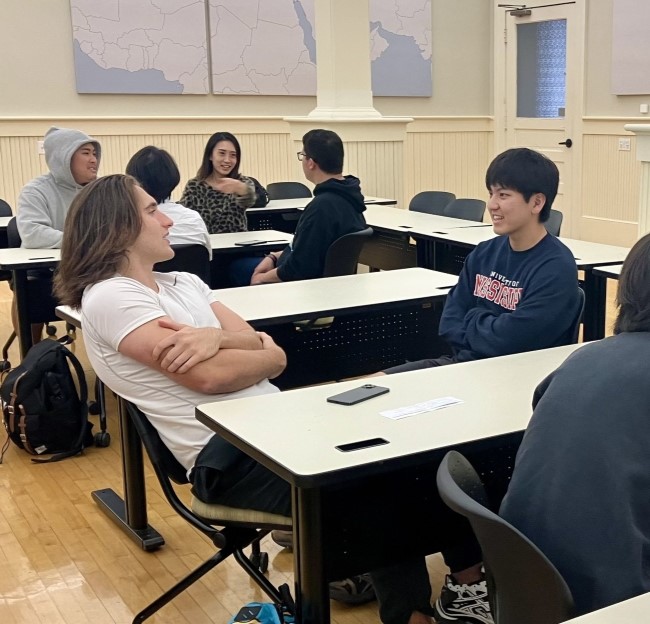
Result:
[
  {"x": 40, "y": 149},
  {"x": 624, "y": 144},
  {"x": 643, "y": 109}
]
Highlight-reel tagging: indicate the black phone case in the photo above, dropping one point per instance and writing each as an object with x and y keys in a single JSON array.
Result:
[{"x": 357, "y": 395}]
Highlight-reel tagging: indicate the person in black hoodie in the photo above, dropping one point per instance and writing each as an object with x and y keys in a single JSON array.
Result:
[
  {"x": 337, "y": 209},
  {"x": 581, "y": 479}
]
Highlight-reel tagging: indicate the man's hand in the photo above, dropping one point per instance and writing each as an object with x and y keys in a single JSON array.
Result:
[
  {"x": 187, "y": 346},
  {"x": 269, "y": 345},
  {"x": 264, "y": 266},
  {"x": 231, "y": 186}
]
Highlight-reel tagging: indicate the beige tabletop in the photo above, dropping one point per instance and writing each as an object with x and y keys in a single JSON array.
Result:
[
  {"x": 632, "y": 611},
  {"x": 496, "y": 394}
]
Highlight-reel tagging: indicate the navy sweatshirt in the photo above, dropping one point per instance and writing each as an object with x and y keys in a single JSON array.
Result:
[
  {"x": 581, "y": 484},
  {"x": 337, "y": 209},
  {"x": 511, "y": 301}
]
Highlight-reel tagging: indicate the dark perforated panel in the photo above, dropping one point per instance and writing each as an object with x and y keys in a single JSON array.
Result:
[{"x": 358, "y": 344}]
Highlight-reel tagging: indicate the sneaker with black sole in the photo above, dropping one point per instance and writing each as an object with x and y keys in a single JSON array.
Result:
[
  {"x": 355, "y": 590},
  {"x": 463, "y": 603}
]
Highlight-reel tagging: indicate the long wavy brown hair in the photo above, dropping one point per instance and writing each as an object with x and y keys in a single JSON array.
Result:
[{"x": 102, "y": 223}]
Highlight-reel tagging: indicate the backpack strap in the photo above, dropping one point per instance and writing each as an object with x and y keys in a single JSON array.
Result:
[{"x": 83, "y": 412}]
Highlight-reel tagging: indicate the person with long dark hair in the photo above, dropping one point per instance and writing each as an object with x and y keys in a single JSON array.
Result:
[{"x": 219, "y": 193}]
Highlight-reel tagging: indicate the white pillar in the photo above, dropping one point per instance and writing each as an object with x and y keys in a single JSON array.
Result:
[
  {"x": 344, "y": 87},
  {"x": 642, "y": 132}
]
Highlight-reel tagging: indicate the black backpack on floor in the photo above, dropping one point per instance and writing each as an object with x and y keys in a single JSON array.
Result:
[{"x": 42, "y": 409}]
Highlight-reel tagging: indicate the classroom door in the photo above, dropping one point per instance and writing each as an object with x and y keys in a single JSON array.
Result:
[{"x": 543, "y": 94}]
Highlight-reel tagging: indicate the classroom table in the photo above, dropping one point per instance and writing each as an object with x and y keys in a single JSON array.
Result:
[
  {"x": 612, "y": 271},
  {"x": 306, "y": 299},
  {"x": 391, "y": 248},
  {"x": 632, "y": 611},
  {"x": 19, "y": 261},
  {"x": 282, "y": 214},
  {"x": 358, "y": 510},
  {"x": 376, "y": 320},
  {"x": 231, "y": 242}
]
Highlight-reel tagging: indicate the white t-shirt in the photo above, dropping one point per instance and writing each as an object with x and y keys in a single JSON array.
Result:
[
  {"x": 111, "y": 310},
  {"x": 188, "y": 229}
]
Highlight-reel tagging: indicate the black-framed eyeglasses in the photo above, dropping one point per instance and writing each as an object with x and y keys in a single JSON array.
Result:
[{"x": 302, "y": 156}]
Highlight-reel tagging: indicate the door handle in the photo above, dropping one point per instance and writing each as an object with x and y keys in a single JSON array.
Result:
[{"x": 568, "y": 143}]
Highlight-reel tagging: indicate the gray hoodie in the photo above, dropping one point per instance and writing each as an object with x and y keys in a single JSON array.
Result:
[{"x": 43, "y": 203}]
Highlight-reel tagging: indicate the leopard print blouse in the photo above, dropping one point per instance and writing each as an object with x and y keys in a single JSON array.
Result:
[{"x": 222, "y": 212}]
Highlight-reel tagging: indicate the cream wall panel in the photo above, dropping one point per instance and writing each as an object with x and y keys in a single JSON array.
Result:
[
  {"x": 265, "y": 156},
  {"x": 378, "y": 166},
  {"x": 447, "y": 161},
  {"x": 611, "y": 180}
]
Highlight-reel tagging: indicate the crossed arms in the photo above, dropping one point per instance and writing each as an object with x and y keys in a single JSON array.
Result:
[{"x": 206, "y": 359}]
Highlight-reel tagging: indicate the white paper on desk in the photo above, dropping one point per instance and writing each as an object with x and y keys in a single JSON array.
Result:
[{"x": 420, "y": 408}]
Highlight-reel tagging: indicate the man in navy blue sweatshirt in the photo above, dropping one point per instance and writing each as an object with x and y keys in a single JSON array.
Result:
[
  {"x": 517, "y": 292},
  {"x": 337, "y": 209}
]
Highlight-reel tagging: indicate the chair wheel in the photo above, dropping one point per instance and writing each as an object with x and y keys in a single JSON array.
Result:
[
  {"x": 261, "y": 561},
  {"x": 93, "y": 408},
  {"x": 5, "y": 365},
  {"x": 50, "y": 330},
  {"x": 102, "y": 439}
]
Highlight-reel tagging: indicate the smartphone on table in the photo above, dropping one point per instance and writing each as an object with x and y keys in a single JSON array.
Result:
[{"x": 357, "y": 395}]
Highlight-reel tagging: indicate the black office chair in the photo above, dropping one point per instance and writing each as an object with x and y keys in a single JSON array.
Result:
[
  {"x": 341, "y": 259},
  {"x": 554, "y": 222},
  {"x": 242, "y": 527},
  {"x": 470, "y": 209},
  {"x": 431, "y": 202},
  {"x": 287, "y": 190},
  {"x": 343, "y": 254},
  {"x": 5, "y": 211},
  {"x": 189, "y": 258},
  {"x": 523, "y": 585}
]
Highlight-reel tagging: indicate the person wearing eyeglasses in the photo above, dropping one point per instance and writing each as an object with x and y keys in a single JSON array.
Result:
[{"x": 337, "y": 209}]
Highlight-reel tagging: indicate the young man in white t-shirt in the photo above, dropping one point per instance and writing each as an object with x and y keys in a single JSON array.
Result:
[{"x": 162, "y": 340}]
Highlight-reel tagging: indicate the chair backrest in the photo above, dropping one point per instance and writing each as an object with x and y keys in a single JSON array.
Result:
[
  {"x": 13, "y": 236},
  {"x": 523, "y": 585},
  {"x": 161, "y": 457},
  {"x": 5, "y": 209},
  {"x": 470, "y": 209},
  {"x": 287, "y": 190},
  {"x": 190, "y": 258},
  {"x": 554, "y": 222},
  {"x": 343, "y": 254},
  {"x": 431, "y": 202}
]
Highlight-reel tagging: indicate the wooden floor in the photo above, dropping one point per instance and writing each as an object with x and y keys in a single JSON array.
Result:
[{"x": 63, "y": 562}]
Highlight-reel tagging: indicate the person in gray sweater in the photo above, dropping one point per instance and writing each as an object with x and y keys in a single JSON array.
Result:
[{"x": 72, "y": 158}]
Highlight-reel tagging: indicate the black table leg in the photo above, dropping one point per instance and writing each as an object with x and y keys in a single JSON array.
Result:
[
  {"x": 130, "y": 514},
  {"x": 312, "y": 598},
  {"x": 24, "y": 329},
  {"x": 595, "y": 303}
]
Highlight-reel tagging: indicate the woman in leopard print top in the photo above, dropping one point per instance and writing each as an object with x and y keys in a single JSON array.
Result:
[{"x": 218, "y": 192}]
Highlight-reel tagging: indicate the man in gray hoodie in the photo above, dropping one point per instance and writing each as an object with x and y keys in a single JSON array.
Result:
[{"x": 73, "y": 159}]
